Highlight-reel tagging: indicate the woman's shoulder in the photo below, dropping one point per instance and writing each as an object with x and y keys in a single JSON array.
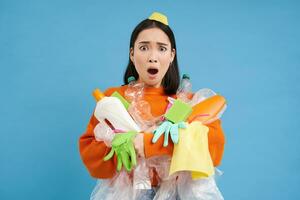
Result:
[{"x": 120, "y": 89}]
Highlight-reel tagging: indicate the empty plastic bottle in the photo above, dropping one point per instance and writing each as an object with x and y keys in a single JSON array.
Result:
[
  {"x": 139, "y": 109},
  {"x": 185, "y": 89},
  {"x": 134, "y": 91}
]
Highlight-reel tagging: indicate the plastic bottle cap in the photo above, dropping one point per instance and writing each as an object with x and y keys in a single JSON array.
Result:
[
  {"x": 130, "y": 79},
  {"x": 186, "y": 76},
  {"x": 98, "y": 95}
]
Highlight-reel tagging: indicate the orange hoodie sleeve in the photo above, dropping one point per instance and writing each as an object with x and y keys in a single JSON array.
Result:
[
  {"x": 156, "y": 149},
  {"x": 92, "y": 151},
  {"x": 216, "y": 141}
]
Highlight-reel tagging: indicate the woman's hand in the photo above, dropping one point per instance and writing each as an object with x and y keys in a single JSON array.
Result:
[{"x": 139, "y": 144}]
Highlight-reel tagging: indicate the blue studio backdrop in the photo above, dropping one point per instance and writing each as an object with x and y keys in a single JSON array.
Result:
[{"x": 53, "y": 54}]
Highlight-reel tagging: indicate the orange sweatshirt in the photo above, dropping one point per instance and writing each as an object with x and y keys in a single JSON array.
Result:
[{"x": 92, "y": 152}]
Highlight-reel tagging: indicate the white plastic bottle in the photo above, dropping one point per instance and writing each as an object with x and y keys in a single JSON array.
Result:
[{"x": 111, "y": 109}]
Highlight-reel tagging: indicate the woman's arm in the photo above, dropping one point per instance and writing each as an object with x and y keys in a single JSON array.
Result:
[
  {"x": 156, "y": 149},
  {"x": 92, "y": 153},
  {"x": 216, "y": 141}
]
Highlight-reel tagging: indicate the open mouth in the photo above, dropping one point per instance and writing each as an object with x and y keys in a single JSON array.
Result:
[{"x": 152, "y": 71}]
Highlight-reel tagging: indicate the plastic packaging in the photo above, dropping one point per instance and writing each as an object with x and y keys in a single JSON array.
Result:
[
  {"x": 134, "y": 91},
  {"x": 111, "y": 109},
  {"x": 161, "y": 164},
  {"x": 119, "y": 187},
  {"x": 141, "y": 178},
  {"x": 182, "y": 186},
  {"x": 201, "y": 95},
  {"x": 201, "y": 189},
  {"x": 167, "y": 190},
  {"x": 139, "y": 109},
  {"x": 167, "y": 186},
  {"x": 104, "y": 133},
  {"x": 185, "y": 89},
  {"x": 123, "y": 186},
  {"x": 141, "y": 113}
]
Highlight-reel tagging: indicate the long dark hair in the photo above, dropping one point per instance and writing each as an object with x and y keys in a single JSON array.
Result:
[{"x": 171, "y": 79}]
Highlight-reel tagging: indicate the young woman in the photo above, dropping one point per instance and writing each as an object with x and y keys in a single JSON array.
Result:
[{"x": 152, "y": 62}]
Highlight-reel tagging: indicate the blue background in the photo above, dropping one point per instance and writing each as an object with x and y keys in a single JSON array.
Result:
[{"x": 54, "y": 53}]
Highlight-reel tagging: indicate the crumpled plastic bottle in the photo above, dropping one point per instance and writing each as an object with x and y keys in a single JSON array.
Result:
[
  {"x": 139, "y": 109},
  {"x": 185, "y": 88},
  {"x": 134, "y": 91}
]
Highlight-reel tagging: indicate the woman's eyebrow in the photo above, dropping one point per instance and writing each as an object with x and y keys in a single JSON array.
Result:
[{"x": 159, "y": 43}]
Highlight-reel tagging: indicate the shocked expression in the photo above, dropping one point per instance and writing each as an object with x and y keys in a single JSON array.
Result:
[{"x": 152, "y": 55}]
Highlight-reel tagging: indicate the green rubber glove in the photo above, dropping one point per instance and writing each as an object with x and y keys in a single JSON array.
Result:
[
  {"x": 167, "y": 128},
  {"x": 122, "y": 145}
]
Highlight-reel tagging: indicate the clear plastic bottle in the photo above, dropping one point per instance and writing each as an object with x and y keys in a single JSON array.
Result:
[
  {"x": 185, "y": 88},
  {"x": 134, "y": 91},
  {"x": 139, "y": 109}
]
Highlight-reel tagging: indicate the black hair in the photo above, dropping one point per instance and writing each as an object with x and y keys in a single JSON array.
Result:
[{"x": 171, "y": 79}]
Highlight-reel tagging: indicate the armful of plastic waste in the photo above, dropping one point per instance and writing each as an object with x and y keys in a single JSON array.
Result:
[
  {"x": 208, "y": 110},
  {"x": 174, "y": 119}
]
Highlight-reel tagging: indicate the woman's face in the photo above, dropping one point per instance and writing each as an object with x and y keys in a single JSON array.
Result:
[{"x": 151, "y": 56}]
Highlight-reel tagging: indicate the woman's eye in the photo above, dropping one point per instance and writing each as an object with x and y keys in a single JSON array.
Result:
[
  {"x": 143, "y": 48},
  {"x": 162, "y": 48}
]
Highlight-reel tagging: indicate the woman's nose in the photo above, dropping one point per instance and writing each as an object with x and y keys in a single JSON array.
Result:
[
  {"x": 151, "y": 60},
  {"x": 152, "y": 57}
]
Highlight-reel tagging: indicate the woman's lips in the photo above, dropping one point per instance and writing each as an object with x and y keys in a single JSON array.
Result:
[{"x": 152, "y": 71}]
